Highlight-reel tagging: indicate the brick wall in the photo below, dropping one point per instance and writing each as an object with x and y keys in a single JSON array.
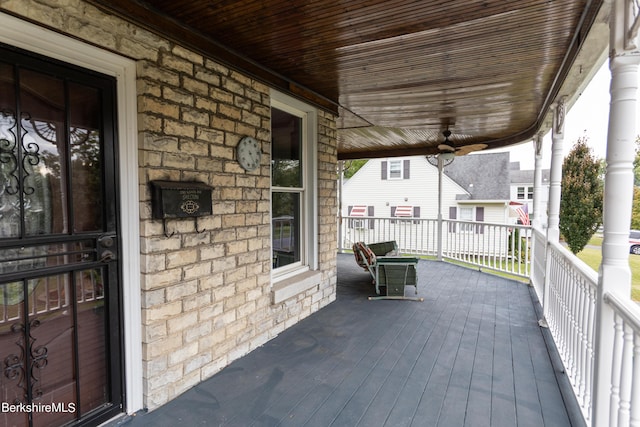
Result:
[{"x": 206, "y": 297}]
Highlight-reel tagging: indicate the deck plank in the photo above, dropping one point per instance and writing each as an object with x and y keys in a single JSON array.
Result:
[{"x": 470, "y": 354}]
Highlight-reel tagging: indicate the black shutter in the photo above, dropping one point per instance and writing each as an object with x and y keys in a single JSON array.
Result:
[
  {"x": 452, "y": 215},
  {"x": 383, "y": 170},
  {"x": 479, "y": 218},
  {"x": 406, "y": 172},
  {"x": 370, "y": 212},
  {"x": 349, "y": 208},
  {"x": 393, "y": 214},
  {"x": 416, "y": 213}
]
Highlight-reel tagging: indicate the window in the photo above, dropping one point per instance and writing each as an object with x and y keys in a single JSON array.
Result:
[
  {"x": 405, "y": 212},
  {"x": 395, "y": 169},
  {"x": 525, "y": 192},
  {"x": 466, "y": 214},
  {"x": 361, "y": 211},
  {"x": 293, "y": 181},
  {"x": 402, "y": 211}
]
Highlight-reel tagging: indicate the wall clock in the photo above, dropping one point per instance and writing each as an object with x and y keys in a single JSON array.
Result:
[{"x": 249, "y": 153}]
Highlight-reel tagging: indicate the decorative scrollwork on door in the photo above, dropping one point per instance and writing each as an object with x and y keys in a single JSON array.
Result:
[
  {"x": 15, "y": 365},
  {"x": 30, "y": 155},
  {"x": 9, "y": 152},
  {"x": 11, "y": 155}
]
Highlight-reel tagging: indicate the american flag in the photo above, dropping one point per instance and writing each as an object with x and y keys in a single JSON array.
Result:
[{"x": 523, "y": 213}]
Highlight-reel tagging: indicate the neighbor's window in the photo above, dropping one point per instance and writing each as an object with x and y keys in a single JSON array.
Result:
[
  {"x": 521, "y": 193},
  {"x": 466, "y": 214},
  {"x": 395, "y": 169},
  {"x": 293, "y": 210}
]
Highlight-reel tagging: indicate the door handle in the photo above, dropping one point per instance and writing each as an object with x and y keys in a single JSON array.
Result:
[
  {"x": 107, "y": 248},
  {"x": 107, "y": 256}
]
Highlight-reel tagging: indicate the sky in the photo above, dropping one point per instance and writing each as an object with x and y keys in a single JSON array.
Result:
[{"x": 588, "y": 116}]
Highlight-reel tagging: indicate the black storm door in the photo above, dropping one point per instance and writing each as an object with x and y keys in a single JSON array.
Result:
[{"x": 60, "y": 336}]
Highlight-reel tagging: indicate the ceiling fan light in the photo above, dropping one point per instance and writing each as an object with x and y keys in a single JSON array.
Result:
[{"x": 447, "y": 156}]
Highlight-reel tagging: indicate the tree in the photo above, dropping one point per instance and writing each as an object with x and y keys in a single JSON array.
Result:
[
  {"x": 636, "y": 164},
  {"x": 635, "y": 212},
  {"x": 353, "y": 166},
  {"x": 582, "y": 196}
]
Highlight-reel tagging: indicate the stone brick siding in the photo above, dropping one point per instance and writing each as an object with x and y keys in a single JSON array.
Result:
[{"x": 205, "y": 296}]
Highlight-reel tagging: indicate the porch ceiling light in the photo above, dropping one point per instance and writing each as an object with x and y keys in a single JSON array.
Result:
[
  {"x": 447, "y": 151},
  {"x": 448, "y": 156}
]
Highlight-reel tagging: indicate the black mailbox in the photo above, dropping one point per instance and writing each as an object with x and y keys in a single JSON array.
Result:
[{"x": 171, "y": 199}]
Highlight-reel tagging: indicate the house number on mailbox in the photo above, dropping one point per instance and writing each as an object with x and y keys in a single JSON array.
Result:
[{"x": 171, "y": 199}]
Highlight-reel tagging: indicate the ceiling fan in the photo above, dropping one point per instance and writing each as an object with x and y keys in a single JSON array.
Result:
[{"x": 447, "y": 146}]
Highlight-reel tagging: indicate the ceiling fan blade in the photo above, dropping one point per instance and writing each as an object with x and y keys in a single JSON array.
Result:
[
  {"x": 446, "y": 147},
  {"x": 470, "y": 148}
]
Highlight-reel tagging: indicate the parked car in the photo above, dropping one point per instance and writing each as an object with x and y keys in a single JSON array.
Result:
[{"x": 634, "y": 242}]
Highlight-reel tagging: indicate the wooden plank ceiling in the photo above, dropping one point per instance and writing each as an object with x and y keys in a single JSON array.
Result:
[{"x": 397, "y": 72}]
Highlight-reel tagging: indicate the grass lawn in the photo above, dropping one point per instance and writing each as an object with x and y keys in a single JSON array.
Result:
[{"x": 593, "y": 257}]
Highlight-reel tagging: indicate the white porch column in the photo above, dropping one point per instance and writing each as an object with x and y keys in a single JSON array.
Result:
[
  {"x": 614, "y": 275},
  {"x": 440, "y": 167},
  {"x": 557, "y": 138},
  {"x": 555, "y": 181},
  {"x": 340, "y": 188},
  {"x": 538, "y": 215}
]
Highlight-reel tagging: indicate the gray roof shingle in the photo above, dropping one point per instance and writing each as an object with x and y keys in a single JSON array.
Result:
[{"x": 484, "y": 176}]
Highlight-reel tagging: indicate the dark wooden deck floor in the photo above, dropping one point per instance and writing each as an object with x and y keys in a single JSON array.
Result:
[{"x": 470, "y": 354}]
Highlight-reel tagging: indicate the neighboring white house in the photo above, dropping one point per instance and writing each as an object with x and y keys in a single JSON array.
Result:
[
  {"x": 474, "y": 188},
  {"x": 522, "y": 187}
]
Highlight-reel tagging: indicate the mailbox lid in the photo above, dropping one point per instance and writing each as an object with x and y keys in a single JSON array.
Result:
[{"x": 180, "y": 199}]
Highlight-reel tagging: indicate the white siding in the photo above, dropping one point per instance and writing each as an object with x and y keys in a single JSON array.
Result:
[
  {"x": 368, "y": 188},
  {"x": 544, "y": 200}
]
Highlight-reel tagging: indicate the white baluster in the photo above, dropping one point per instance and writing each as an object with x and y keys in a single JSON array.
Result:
[
  {"x": 614, "y": 404},
  {"x": 626, "y": 376},
  {"x": 635, "y": 383}
]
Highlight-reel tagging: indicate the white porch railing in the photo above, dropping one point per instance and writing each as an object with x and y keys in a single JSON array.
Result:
[
  {"x": 566, "y": 287},
  {"x": 48, "y": 294},
  {"x": 625, "y": 372},
  {"x": 539, "y": 261},
  {"x": 413, "y": 236},
  {"x": 500, "y": 247},
  {"x": 570, "y": 313}
]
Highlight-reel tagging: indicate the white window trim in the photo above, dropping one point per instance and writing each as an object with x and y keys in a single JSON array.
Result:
[
  {"x": 30, "y": 37},
  {"x": 466, "y": 228},
  {"x": 393, "y": 178},
  {"x": 309, "y": 220}
]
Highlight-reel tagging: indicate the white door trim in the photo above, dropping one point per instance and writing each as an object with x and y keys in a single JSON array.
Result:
[{"x": 27, "y": 36}]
